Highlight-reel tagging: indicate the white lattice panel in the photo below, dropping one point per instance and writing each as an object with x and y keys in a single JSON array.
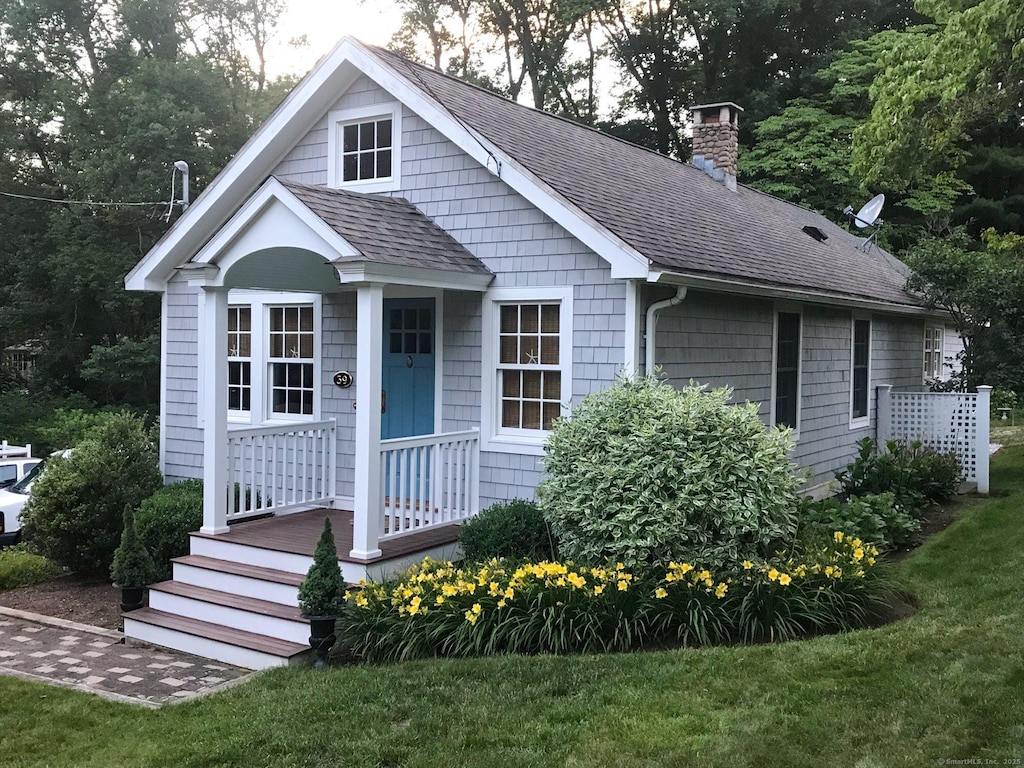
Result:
[{"x": 945, "y": 421}]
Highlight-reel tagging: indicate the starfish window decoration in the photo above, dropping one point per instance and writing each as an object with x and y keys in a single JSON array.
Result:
[{"x": 532, "y": 358}]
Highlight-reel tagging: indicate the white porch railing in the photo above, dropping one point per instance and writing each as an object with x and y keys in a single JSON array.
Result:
[
  {"x": 945, "y": 421},
  {"x": 280, "y": 468},
  {"x": 429, "y": 480}
]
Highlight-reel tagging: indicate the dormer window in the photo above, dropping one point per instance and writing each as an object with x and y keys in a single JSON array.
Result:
[{"x": 364, "y": 148}]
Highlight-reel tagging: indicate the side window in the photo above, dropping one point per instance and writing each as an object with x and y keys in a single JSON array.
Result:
[
  {"x": 240, "y": 359},
  {"x": 787, "y": 369},
  {"x": 933, "y": 353},
  {"x": 860, "y": 368}
]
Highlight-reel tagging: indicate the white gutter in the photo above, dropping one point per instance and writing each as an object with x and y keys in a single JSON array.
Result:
[{"x": 652, "y": 324}]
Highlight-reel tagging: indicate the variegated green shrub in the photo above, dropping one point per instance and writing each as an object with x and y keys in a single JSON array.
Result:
[{"x": 643, "y": 473}]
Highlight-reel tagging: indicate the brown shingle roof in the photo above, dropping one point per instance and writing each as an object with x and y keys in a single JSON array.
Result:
[
  {"x": 387, "y": 230},
  {"x": 671, "y": 212}
]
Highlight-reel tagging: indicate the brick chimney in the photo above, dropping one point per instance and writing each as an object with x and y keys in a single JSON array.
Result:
[{"x": 716, "y": 130}]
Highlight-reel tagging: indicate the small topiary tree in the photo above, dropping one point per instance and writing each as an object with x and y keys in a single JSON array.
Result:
[
  {"x": 644, "y": 473},
  {"x": 132, "y": 566},
  {"x": 322, "y": 592},
  {"x": 74, "y": 515},
  {"x": 514, "y": 529},
  {"x": 166, "y": 518}
]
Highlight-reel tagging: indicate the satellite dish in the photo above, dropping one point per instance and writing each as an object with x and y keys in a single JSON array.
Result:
[{"x": 868, "y": 215}]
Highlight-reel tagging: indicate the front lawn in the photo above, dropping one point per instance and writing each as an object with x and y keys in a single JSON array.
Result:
[{"x": 944, "y": 684}]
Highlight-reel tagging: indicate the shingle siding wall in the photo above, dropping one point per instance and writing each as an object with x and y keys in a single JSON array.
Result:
[
  {"x": 338, "y": 351},
  {"x": 183, "y": 440},
  {"x": 521, "y": 245},
  {"x": 725, "y": 340}
]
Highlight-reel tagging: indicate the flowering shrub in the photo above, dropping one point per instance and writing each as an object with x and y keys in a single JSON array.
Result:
[{"x": 441, "y": 609}]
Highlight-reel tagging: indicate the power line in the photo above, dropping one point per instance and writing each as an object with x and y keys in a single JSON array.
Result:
[{"x": 94, "y": 203}]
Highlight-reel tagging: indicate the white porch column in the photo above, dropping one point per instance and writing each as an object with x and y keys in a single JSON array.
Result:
[
  {"x": 631, "y": 353},
  {"x": 369, "y": 343},
  {"x": 981, "y": 458},
  {"x": 214, "y": 367},
  {"x": 883, "y": 416}
]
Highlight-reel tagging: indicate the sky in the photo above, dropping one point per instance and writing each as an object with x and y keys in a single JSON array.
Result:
[{"x": 324, "y": 23}]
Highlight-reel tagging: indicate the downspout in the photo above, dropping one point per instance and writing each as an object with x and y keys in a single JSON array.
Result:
[{"x": 652, "y": 323}]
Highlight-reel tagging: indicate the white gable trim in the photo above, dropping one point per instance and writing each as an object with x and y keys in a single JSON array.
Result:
[
  {"x": 301, "y": 110},
  {"x": 271, "y": 218}
]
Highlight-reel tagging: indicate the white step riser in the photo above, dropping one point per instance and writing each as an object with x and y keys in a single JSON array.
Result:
[
  {"x": 234, "y": 584},
  {"x": 389, "y": 568},
  {"x": 268, "y": 558},
  {"x": 233, "y": 618},
  {"x": 201, "y": 646},
  {"x": 240, "y": 553}
]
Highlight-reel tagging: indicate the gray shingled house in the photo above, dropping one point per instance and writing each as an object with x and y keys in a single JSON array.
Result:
[{"x": 384, "y": 300}]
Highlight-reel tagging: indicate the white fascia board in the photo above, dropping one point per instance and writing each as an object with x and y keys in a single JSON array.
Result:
[
  {"x": 725, "y": 285},
  {"x": 272, "y": 192},
  {"x": 361, "y": 271},
  {"x": 625, "y": 261},
  {"x": 308, "y": 102}
]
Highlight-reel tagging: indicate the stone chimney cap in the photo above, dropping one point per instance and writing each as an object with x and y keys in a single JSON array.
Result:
[
  {"x": 722, "y": 112},
  {"x": 735, "y": 106}
]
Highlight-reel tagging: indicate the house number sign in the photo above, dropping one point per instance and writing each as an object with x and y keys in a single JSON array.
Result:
[{"x": 343, "y": 379}]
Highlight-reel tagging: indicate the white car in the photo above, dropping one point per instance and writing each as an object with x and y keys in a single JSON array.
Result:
[
  {"x": 13, "y": 470},
  {"x": 12, "y": 501}
]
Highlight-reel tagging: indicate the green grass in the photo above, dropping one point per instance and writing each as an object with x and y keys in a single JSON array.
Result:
[{"x": 944, "y": 684}]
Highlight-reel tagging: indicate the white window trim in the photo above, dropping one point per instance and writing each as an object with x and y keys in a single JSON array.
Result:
[
  {"x": 494, "y": 437},
  {"x": 242, "y": 415},
  {"x": 859, "y": 422},
  {"x": 925, "y": 377},
  {"x": 337, "y": 119},
  {"x": 261, "y": 301},
  {"x": 789, "y": 310}
]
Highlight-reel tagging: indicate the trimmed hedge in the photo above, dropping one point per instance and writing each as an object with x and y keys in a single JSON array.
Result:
[
  {"x": 165, "y": 520},
  {"x": 515, "y": 529}
]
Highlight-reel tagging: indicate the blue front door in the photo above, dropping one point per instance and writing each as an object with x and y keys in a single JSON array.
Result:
[{"x": 408, "y": 368}]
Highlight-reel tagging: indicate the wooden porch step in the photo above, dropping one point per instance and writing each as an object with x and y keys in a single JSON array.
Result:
[
  {"x": 243, "y": 648},
  {"x": 241, "y": 569},
  {"x": 238, "y": 602}
]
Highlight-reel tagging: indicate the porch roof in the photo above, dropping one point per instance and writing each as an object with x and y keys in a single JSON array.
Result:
[{"x": 386, "y": 230}]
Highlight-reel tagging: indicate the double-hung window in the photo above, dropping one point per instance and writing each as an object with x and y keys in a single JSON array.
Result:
[
  {"x": 291, "y": 360},
  {"x": 528, "y": 364},
  {"x": 860, "y": 367},
  {"x": 364, "y": 148},
  {"x": 240, "y": 360},
  {"x": 933, "y": 353},
  {"x": 786, "y": 407},
  {"x": 272, "y": 356}
]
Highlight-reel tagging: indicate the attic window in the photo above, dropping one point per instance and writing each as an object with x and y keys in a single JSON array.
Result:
[
  {"x": 816, "y": 233},
  {"x": 364, "y": 148}
]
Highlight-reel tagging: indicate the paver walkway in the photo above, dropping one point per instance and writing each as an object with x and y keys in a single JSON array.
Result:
[{"x": 97, "y": 660}]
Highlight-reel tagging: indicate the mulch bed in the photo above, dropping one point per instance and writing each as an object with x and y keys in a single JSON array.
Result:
[
  {"x": 96, "y": 603},
  {"x": 67, "y": 597}
]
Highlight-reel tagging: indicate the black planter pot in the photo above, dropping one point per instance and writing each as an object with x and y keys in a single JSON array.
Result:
[
  {"x": 132, "y": 598},
  {"x": 321, "y": 637}
]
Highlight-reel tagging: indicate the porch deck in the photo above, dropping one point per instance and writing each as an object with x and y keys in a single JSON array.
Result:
[{"x": 297, "y": 534}]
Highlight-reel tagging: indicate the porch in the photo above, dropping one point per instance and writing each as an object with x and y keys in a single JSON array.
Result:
[
  {"x": 234, "y": 598},
  {"x": 320, "y": 391}
]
